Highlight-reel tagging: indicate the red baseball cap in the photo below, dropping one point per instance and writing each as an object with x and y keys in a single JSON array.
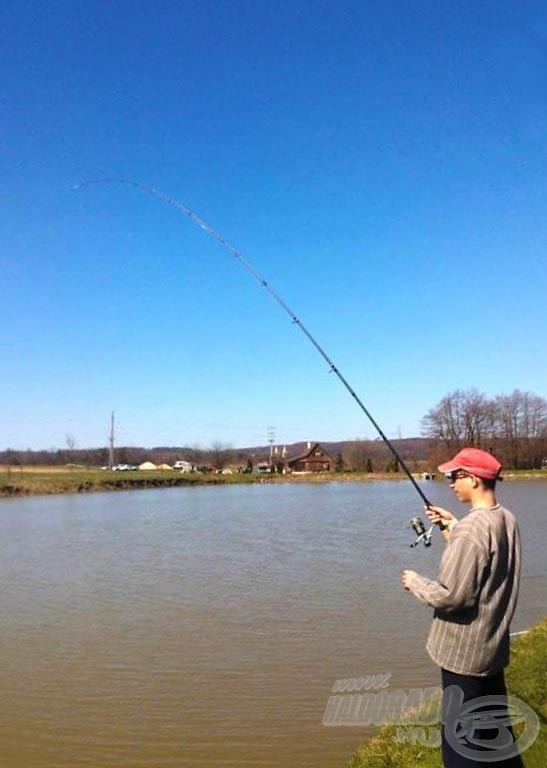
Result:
[{"x": 474, "y": 461}]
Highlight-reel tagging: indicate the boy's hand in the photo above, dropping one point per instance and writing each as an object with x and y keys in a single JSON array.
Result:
[
  {"x": 407, "y": 577},
  {"x": 442, "y": 516}
]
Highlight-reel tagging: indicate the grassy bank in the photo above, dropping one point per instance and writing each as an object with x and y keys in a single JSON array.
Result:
[
  {"x": 48, "y": 480},
  {"x": 526, "y": 679},
  {"x": 43, "y": 482}
]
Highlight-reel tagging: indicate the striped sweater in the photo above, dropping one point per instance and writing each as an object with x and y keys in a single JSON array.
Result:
[{"x": 475, "y": 594}]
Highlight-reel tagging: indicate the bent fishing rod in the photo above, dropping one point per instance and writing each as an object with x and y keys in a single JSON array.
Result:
[{"x": 416, "y": 523}]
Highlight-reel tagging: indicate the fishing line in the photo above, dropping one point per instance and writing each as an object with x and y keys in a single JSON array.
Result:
[{"x": 260, "y": 279}]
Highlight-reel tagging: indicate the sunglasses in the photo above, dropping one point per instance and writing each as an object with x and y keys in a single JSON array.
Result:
[{"x": 457, "y": 475}]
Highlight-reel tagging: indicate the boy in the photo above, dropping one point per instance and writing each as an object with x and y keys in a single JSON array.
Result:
[{"x": 476, "y": 592}]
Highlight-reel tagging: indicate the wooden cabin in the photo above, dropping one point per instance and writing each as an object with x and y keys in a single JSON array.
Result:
[{"x": 315, "y": 459}]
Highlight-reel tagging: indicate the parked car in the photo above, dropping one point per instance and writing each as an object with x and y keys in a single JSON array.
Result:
[{"x": 183, "y": 466}]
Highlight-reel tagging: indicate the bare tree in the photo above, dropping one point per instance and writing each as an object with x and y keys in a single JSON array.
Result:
[
  {"x": 522, "y": 427},
  {"x": 357, "y": 455},
  {"x": 71, "y": 444},
  {"x": 513, "y": 425},
  {"x": 221, "y": 454},
  {"x": 445, "y": 422}
]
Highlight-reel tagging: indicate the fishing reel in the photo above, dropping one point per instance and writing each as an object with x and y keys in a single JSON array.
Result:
[{"x": 422, "y": 534}]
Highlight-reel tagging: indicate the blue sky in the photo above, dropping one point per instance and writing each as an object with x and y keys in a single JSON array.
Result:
[{"x": 382, "y": 164}]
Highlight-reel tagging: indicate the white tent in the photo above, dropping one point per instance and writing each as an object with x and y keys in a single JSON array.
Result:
[{"x": 147, "y": 465}]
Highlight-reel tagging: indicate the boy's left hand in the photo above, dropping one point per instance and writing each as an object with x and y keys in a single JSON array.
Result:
[{"x": 407, "y": 577}]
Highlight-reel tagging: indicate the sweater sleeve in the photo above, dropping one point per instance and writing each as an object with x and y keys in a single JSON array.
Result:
[{"x": 460, "y": 577}]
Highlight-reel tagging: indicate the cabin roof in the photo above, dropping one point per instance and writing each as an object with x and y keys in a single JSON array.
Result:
[{"x": 309, "y": 453}]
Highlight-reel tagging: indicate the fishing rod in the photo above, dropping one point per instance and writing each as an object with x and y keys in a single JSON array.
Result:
[{"x": 415, "y": 523}]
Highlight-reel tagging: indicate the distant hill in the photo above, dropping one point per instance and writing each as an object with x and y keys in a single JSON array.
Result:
[
  {"x": 355, "y": 454},
  {"x": 409, "y": 447}
]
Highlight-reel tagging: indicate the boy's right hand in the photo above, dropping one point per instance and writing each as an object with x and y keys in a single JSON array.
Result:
[{"x": 441, "y": 516}]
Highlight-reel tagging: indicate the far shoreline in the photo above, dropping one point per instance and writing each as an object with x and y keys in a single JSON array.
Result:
[{"x": 45, "y": 481}]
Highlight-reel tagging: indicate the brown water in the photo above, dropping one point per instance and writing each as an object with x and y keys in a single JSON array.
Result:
[{"x": 206, "y": 626}]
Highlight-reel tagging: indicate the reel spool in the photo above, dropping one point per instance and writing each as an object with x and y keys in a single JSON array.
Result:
[{"x": 417, "y": 525}]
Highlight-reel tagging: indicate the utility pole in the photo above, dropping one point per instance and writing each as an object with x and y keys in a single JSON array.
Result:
[
  {"x": 271, "y": 440},
  {"x": 111, "y": 442}
]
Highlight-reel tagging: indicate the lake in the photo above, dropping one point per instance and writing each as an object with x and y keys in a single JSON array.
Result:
[{"x": 206, "y": 626}]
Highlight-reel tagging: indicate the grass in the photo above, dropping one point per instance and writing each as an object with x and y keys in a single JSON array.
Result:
[
  {"x": 526, "y": 679},
  {"x": 525, "y": 474},
  {"x": 19, "y": 481},
  {"x": 50, "y": 480},
  {"x": 46, "y": 481}
]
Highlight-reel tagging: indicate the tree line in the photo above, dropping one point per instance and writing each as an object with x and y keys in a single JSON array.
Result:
[
  {"x": 218, "y": 455},
  {"x": 512, "y": 426}
]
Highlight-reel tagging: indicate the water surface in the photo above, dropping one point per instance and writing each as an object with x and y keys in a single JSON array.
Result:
[{"x": 206, "y": 626}]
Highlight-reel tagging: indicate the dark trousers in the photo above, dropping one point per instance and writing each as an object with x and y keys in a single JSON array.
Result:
[{"x": 473, "y": 688}]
